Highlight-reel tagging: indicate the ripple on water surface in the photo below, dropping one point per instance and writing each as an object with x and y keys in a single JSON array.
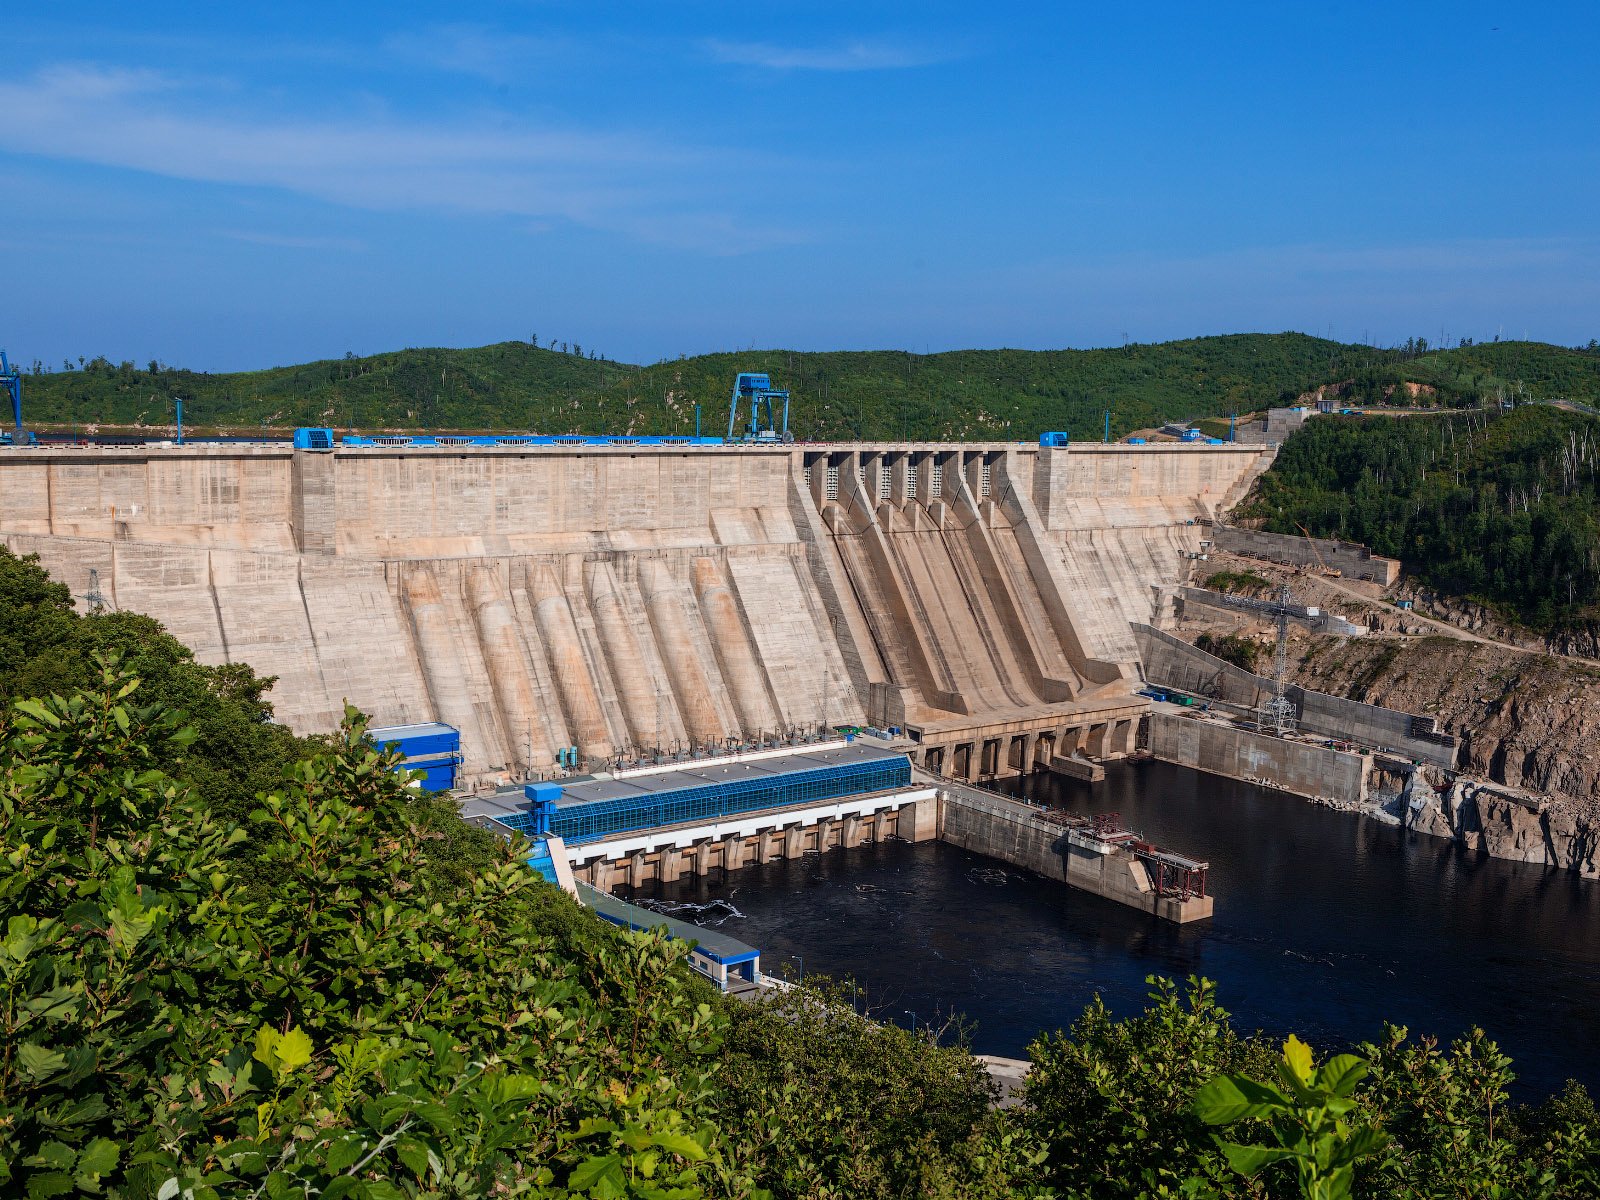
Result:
[{"x": 1326, "y": 924}]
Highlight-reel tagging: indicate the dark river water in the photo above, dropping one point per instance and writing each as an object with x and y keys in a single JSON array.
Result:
[{"x": 1326, "y": 925}]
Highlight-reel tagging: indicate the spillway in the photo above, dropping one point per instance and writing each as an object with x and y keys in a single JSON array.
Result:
[{"x": 613, "y": 599}]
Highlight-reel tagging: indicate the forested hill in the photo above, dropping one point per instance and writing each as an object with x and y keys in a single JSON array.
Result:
[
  {"x": 1503, "y": 508},
  {"x": 837, "y": 394}
]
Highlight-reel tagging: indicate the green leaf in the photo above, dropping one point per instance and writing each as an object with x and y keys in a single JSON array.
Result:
[
  {"x": 54, "y": 1154},
  {"x": 344, "y": 1152},
  {"x": 1368, "y": 1139},
  {"x": 1247, "y": 1160},
  {"x": 681, "y": 1144},
  {"x": 633, "y": 1138},
  {"x": 1297, "y": 1057},
  {"x": 43, "y": 1184},
  {"x": 266, "y": 1047},
  {"x": 98, "y": 1157},
  {"x": 294, "y": 1049},
  {"x": 38, "y": 712},
  {"x": 1341, "y": 1074},
  {"x": 37, "y": 1062},
  {"x": 415, "y": 1156},
  {"x": 1230, "y": 1098},
  {"x": 591, "y": 1171}
]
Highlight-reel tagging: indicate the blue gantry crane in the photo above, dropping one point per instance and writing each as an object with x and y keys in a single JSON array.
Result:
[
  {"x": 753, "y": 392},
  {"x": 11, "y": 380}
]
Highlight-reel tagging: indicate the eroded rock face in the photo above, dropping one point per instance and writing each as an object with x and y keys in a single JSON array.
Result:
[{"x": 1509, "y": 827}]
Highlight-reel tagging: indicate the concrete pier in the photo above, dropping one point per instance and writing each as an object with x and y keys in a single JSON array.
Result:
[
  {"x": 673, "y": 851},
  {"x": 1022, "y": 835}
]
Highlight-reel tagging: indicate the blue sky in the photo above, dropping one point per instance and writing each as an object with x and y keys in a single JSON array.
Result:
[{"x": 227, "y": 186}]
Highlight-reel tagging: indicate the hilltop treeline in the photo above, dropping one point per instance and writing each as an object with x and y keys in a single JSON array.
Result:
[
  {"x": 333, "y": 994},
  {"x": 1007, "y": 394},
  {"x": 1499, "y": 507}
]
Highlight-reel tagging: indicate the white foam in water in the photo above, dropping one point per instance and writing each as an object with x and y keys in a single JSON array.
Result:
[{"x": 708, "y": 915}]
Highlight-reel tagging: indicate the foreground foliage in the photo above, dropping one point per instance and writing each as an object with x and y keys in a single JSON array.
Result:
[
  {"x": 332, "y": 996},
  {"x": 357, "y": 1032}
]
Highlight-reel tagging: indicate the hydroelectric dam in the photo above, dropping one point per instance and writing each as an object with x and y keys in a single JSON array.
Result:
[{"x": 588, "y": 608}]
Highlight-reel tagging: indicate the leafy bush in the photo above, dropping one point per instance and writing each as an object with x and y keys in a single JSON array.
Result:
[
  {"x": 833, "y": 1103},
  {"x": 357, "y": 1032},
  {"x": 1246, "y": 583},
  {"x": 1111, "y": 1098}
]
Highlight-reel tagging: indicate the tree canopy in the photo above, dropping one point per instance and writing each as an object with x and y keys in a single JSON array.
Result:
[
  {"x": 1500, "y": 507},
  {"x": 877, "y": 394}
]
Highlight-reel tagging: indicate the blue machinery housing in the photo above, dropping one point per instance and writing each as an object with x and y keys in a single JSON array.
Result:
[
  {"x": 753, "y": 391},
  {"x": 434, "y": 749},
  {"x": 583, "y": 811}
]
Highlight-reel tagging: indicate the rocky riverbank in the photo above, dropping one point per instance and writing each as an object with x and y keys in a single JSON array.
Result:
[
  {"x": 1526, "y": 784},
  {"x": 1503, "y": 825}
]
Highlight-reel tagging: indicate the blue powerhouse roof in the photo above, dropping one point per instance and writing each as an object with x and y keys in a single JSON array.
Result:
[
  {"x": 683, "y": 776},
  {"x": 585, "y": 809}
]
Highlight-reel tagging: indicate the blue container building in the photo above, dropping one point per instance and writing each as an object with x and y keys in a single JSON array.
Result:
[{"x": 433, "y": 748}]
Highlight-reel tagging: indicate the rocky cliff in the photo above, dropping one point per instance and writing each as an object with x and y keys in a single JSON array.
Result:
[
  {"x": 1527, "y": 724},
  {"x": 1502, "y": 825}
]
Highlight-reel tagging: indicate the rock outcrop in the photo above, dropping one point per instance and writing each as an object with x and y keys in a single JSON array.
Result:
[{"x": 1503, "y": 825}]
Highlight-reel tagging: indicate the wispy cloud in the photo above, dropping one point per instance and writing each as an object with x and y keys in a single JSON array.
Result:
[
  {"x": 490, "y": 164},
  {"x": 842, "y": 56},
  {"x": 294, "y": 242},
  {"x": 478, "y": 50}
]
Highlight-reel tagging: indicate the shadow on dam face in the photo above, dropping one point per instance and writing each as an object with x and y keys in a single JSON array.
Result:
[{"x": 616, "y": 599}]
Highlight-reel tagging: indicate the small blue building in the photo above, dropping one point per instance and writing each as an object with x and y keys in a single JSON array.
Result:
[{"x": 433, "y": 748}]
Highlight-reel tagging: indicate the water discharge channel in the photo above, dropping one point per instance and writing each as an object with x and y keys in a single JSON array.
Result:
[{"x": 1329, "y": 924}]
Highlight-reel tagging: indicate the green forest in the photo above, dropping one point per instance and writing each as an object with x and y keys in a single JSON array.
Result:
[
  {"x": 1499, "y": 507},
  {"x": 240, "y": 963},
  {"x": 993, "y": 394}
]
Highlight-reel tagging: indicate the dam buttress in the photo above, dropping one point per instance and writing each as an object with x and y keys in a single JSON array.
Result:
[{"x": 618, "y": 599}]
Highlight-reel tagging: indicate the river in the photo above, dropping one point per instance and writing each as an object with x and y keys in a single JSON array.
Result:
[{"x": 1326, "y": 925}]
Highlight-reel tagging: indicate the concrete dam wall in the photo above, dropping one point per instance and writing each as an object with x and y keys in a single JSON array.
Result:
[{"x": 619, "y": 599}]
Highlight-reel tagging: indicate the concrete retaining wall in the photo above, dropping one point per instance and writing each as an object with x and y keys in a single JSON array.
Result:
[
  {"x": 1306, "y": 770},
  {"x": 1172, "y": 662},
  {"x": 1348, "y": 558}
]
